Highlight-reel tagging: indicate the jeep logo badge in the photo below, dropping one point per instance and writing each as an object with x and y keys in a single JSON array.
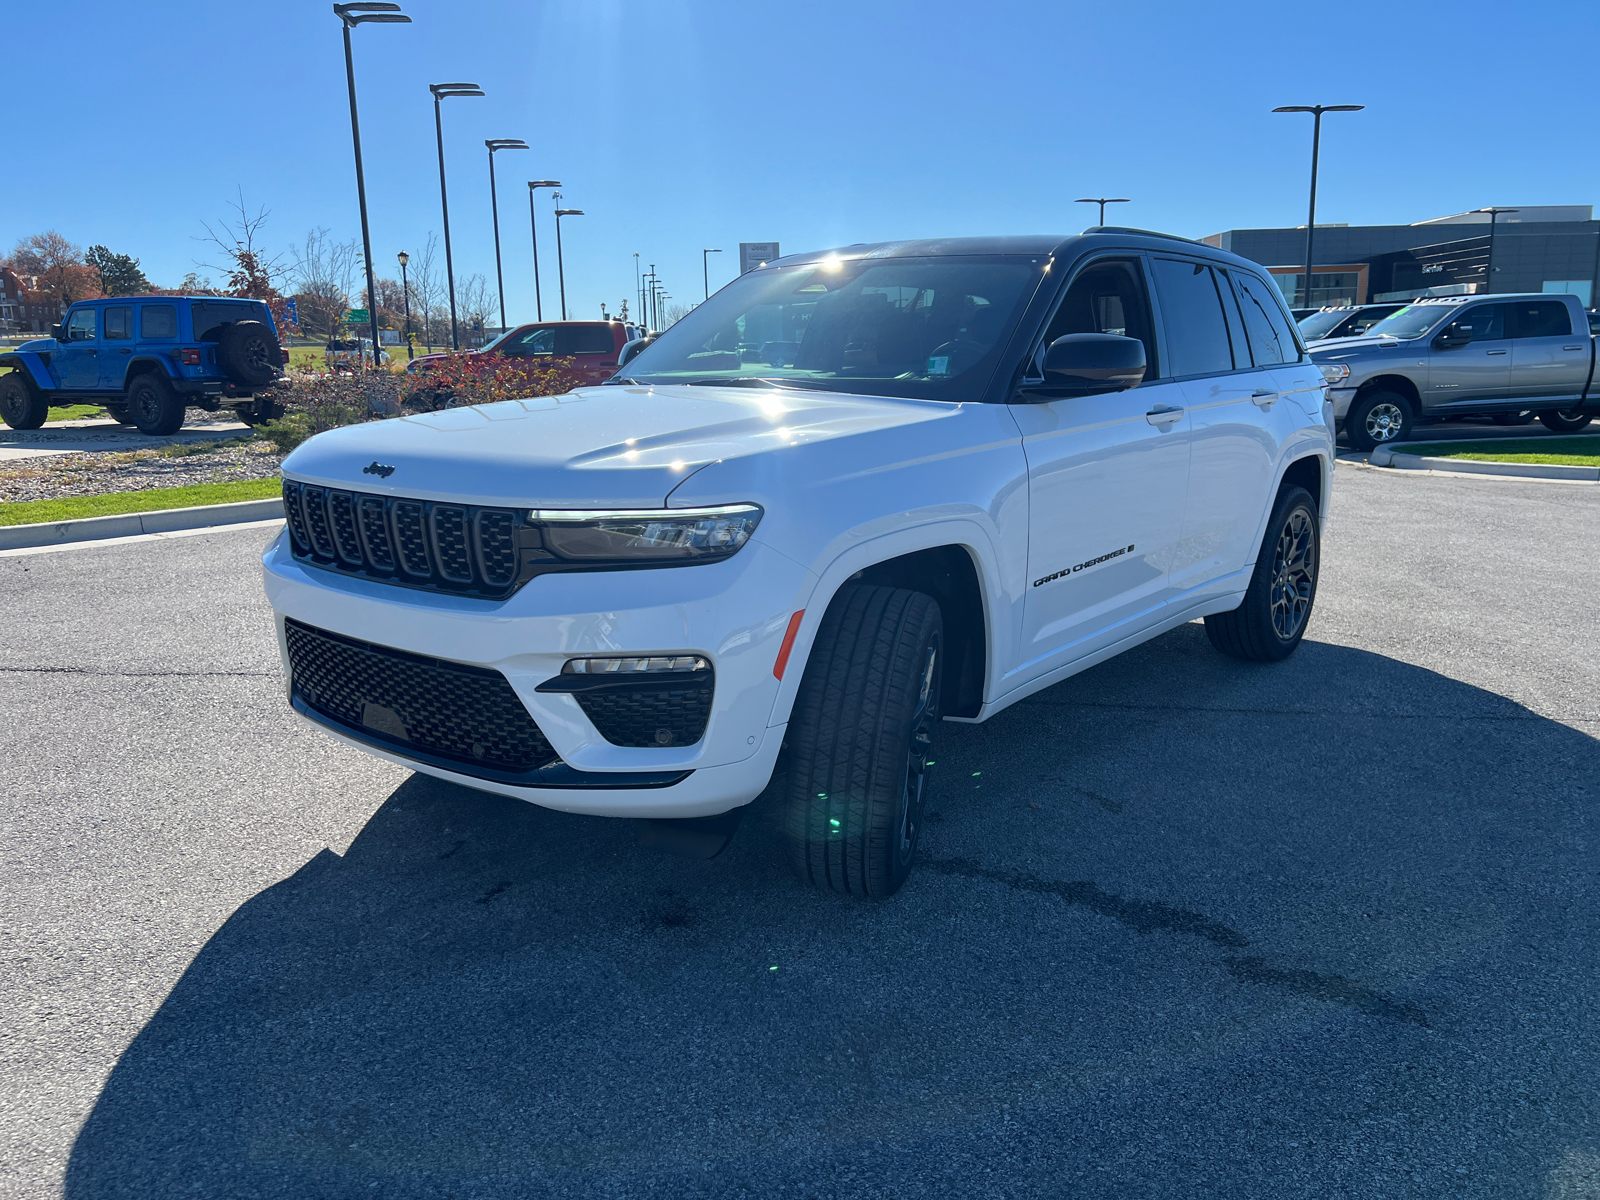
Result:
[{"x": 382, "y": 470}]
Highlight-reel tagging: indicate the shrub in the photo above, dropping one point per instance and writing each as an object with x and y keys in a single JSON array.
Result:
[
  {"x": 464, "y": 379},
  {"x": 315, "y": 403}
]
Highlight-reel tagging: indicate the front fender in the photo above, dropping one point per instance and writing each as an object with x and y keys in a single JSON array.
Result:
[{"x": 31, "y": 365}]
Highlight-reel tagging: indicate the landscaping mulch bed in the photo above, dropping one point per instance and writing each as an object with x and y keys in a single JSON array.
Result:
[{"x": 51, "y": 477}]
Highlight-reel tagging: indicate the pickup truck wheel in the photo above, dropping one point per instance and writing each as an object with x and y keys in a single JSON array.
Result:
[
  {"x": 1377, "y": 418},
  {"x": 155, "y": 408},
  {"x": 1516, "y": 418},
  {"x": 1569, "y": 420},
  {"x": 21, "y": 405},
  {"x": 860, "y": 739},
  {"x": 249, "y": 353},
  {"x": 1271, "y": 621}
]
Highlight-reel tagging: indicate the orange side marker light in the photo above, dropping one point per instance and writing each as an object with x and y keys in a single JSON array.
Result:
[{"x": 788, "y": 644}]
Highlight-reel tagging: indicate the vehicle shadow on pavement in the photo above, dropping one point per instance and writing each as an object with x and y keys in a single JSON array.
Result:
[{"x": 1182, "y": 926}]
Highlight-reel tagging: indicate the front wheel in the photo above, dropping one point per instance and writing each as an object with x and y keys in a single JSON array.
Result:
[
  {"x": 1277, "y": 606},
  {"x": 860, "y": 740},
  {"x": 1566, "y": 420},
  {"x": 1377, "y": 419},
  {"x": 21, "y": 404}
]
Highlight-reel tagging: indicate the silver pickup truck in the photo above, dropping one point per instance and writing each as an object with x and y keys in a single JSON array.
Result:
[{"x": 1501, "y": 356}]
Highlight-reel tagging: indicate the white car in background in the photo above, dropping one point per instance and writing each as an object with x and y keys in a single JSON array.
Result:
[{"x": 851, "y": 495}]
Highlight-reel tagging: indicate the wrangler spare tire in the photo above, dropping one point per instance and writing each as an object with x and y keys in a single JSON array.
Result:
[{"x": 249, "y": 353}]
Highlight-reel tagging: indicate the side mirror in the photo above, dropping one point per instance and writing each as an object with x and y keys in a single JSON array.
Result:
[
  {"x": 1087, "y": 364},
  {"x": 59, "y": 332},
  {"x": 1454, "y": 335}
]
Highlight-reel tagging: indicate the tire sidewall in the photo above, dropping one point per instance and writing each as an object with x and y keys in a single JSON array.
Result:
[
  {"x": 1260, "y": 597},
  {"x": 1355, "y": 422},
  {"x": 21, "y": 405},
  {"x": 234, "y": 350}
]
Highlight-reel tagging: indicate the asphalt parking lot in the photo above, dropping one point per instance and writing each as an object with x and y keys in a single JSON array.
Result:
[{"x": 1183, "y": 926}]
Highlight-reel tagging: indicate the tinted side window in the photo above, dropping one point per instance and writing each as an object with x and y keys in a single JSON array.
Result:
[
  {"x": 1539, "y": 318},
  {"x": 1191, "y": 313},
  {"x": 1230, "y": 308},
  {"x": 158, "y": 321},
  {"x": 1106, "y": 297},
  {"x": 539, "y": 341},
  {"x": 1488, "y": 322},
  {"x": 583, "y": 339},
  {"x": 119, "y": 323},
  {"x": 80, "y": 326},
  {"x": 1270, "y": 339}
]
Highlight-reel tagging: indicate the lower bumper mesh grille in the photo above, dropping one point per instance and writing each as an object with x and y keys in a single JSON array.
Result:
[
  {"x": 465, "y": 714},
  {"x": 672, "y": 716}
]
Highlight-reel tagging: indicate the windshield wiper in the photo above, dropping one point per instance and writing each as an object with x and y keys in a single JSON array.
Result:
[
  {"x": 752, "y": 381},
  {"x": 622, "y": 379}
]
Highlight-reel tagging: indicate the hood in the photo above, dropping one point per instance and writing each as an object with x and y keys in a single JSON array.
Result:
[
  {"x": 596, "y": 447},
  {"x": 1328, "y": 347},
  {"x": 37, "y": 346},
  {"x": 423, "y": 361}
]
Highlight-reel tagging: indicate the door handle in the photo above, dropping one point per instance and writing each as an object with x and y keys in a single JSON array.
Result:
[
  {"x": 124, "y": 351},
  {"x": 1494, "y": 351},
  {"x": 1163, "y": 414},
  {"x": 1264, "y": 397},
  {"x": 91, "y": 352},
  {"x": 1572, "y": 347}
]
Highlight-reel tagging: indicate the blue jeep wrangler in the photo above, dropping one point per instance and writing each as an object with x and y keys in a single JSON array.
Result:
[{"x": 147, "y": 358}]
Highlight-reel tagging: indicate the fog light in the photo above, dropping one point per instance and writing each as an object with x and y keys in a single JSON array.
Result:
[{"x": 634, "y": 666}]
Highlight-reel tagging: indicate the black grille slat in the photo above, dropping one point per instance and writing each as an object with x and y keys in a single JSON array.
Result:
[
  {"x": 316, "y": 503},
  {"x": 450, "y": 710},
  {"x": 451, "y": 553},
  {"x": 375, "y": 537},
  {"x": 675, "y": 715},
  {"x": 458, "y": 548},
  {"x": 295, "y": 514},
  {"x": 497, "y": 547},
  {"x": 342, "y": 516}
]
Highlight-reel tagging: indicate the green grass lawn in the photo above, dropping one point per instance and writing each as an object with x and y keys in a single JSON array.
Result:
[
  {"x": 74, "y": 412},
  {"x": 74, "y": 508},
  {"x": 1557, "y": 451}
]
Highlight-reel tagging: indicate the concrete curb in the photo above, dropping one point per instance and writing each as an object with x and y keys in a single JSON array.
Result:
[
  {"x": 166, "y": 520},
  {"x": 1383, "y": 456}
]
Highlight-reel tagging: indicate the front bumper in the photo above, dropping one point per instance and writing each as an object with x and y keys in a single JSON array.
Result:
[
  {"x": 1342, "y": 398},
  {"x": 733, "y": 613}
]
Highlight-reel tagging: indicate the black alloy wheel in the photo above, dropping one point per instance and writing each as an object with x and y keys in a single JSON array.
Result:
[
  {"x": 1565, "y": 420},
  {"x": 21, "y": 404},
  {"x": 1271, "y": 620},
  {"x": 154, "y": 407},
  {"x": 860, "y": 740}
]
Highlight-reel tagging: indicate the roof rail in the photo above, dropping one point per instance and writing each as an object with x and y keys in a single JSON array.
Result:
[{"x": 1145, "y": 233}]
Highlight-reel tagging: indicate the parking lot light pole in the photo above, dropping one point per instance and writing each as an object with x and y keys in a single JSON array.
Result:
[
  {"x": 405, "y": 291},
  {"x": 638, "y": 289},
  {"x": 494, "y": 208},
  {"x": 533, "y": 226},
  {"x": 1102, "y": 202},
  {"x": 443, "y": 91},
  {"x": 351, "y": 15},
  {"x": 1488, "y": 272},
  {"x": 1316, "y": 110},
  {"x": 705, "y": 271},
  {"x": 645, "y": 297},
  {"x": 561, "y": 270}
]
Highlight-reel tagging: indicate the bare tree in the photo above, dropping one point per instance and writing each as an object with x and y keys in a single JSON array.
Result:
[
  {"x": 675, "y": 313},
  {"x": 427, "y": 290},
  {"x": 324, "y": 274},
  {"x": 249, "y": 269},
  {"x": 475, "y": 303},
  {"x": 56, "y": 265}
]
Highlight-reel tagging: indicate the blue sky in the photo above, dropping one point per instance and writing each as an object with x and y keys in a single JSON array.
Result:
[{"x": 682, "y": 124}]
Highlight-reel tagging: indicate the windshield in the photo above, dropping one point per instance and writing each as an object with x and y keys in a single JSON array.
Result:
[
  {"x": 1413, "y": 320},
  {"x": 928, "y": 328},
  {"x": 1321, "y": 324}
]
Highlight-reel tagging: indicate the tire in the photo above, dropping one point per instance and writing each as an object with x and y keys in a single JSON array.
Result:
[
  {"x": 259, "y": 412},
  {"x": 248, "y": 353},
  {"x": 1377, "y": 419},
  {"x": 1516, "y": 418},
  {"x": 1569, "y": 420},
  {"x": 119, "y": 414},
  {"x": 22, "y": 406},
  {"x": 1270, "y": 622},
  {"x": 155, "y": 408},
  {"x": 859, "y": 740}
]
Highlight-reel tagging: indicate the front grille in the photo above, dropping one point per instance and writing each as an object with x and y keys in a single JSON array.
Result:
[
  {"x": 458, "y": 548},
  {"x": 464, "y": 714},
  {"x": 639, "y": 716}
]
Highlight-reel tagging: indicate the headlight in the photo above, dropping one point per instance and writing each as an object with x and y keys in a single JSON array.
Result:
[
  {"x": 656, "y": 537},
  {"x": 1335, "y": 372}
]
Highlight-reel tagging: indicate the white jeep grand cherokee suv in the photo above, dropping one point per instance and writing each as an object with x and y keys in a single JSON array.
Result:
[{"x": 852, "y": 494}]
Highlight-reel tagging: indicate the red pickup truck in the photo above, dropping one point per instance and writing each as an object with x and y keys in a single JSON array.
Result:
[{"x": 591, "y": 346}]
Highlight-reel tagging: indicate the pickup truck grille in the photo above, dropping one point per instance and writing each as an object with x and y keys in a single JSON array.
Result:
[
  {"x": 461, "y": 548},
  {"x": 465, "y": 714}
]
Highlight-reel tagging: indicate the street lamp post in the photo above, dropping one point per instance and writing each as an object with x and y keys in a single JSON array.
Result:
[
  {"x": 705, "y": 271},
  {"x": 443, "y": 91},
  {"x": 646, "y": 291},
  {"x": 1488, "y": 272},
  {"x": 533, "y": 226},
  {"x": 1102, "y": 202},
  {"x": 638, "y": 288},
  {"x": 351, "y": 15},
  {"x": 561, "y": 270},
  {"x": 405, "y": 290},
  {"x": 1316, "y": 110},
  {"x": 494, "y": 207}
]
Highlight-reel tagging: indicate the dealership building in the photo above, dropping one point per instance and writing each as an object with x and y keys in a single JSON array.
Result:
[{"x": 1549, "y": 248}]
